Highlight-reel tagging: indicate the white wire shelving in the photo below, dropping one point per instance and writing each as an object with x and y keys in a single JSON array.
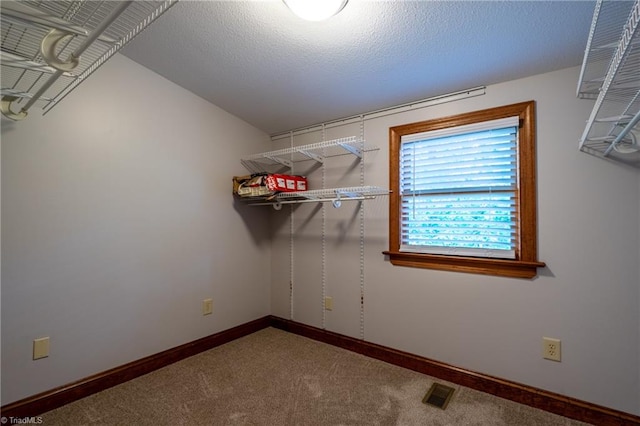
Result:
[
  {"x": 285, "y": 158},
  {"x": 50, "y": 47},
  {"x": 333, "y": 195},
  {"x": 610, "y": 74},
  {"x": 317, "y": 152}
]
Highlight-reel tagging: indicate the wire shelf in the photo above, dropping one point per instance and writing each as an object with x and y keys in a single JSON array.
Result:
[
  {"x": 608, "y": 21},
  {"x": 97, "y": 29},
  {"x": 610, "y": 74},
  {"x": 267, "y": 161},
  {"x": 333, "y": 195},
  {"x": 351, "y": 145}
]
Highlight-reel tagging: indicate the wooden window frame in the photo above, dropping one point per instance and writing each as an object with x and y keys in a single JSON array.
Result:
[{"x": 525, "y": 263}]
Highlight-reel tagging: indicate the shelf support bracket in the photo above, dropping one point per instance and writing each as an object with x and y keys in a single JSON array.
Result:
[
  {"x": 352, "y": 149},
  {"x": 279, "y": 160},
  {"x": 311, "y": 155},
  {"x": 350, "y": 194},
  {"x": 309, "y": 197}
]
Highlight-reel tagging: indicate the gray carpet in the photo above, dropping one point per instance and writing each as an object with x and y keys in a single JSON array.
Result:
[{"x": 276, "y": 378}]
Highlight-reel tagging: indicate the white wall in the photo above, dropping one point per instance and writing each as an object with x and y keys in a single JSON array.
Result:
[
  {"x": 587, "y": 296},
  {"x": 118, "y": 220}
]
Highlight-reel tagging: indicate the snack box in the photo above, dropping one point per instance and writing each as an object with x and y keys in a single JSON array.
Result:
[{"x": 286, "y": 183}]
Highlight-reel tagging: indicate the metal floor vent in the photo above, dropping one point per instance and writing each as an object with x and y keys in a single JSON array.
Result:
[{"x": 438, "y": 395}]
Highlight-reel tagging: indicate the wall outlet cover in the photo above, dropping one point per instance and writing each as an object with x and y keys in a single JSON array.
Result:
[
  {"x": 207, "y": 306},
  {"x": 328, "y": 303},
  {"x": 41, "y": 348},
  {"x": 551, "y": 349}
]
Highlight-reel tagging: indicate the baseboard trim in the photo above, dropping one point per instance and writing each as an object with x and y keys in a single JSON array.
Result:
[
  {"x": 46, "y": 401},
  {"x": 527, "y": 395},
  {"x": 548, "y": 401}
]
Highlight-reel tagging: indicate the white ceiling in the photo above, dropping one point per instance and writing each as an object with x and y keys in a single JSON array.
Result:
[{"x": 258, "y": 61}]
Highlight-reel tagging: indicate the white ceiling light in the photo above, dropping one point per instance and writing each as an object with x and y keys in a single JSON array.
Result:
[{"x": 315, "y": 10}]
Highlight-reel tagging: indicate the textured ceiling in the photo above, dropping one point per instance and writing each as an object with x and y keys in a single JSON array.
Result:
[{"x": 258, "y": 61}]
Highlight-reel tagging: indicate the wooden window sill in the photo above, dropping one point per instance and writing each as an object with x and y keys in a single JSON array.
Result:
[{"x": 476, "y": 265}]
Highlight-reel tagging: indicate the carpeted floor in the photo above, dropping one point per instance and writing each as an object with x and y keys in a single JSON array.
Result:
[{"x": 276, "y": 378}]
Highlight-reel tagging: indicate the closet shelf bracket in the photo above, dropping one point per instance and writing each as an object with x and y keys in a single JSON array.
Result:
[
  {"x": 351, "y": 148},
  {"x": 312, "y": 155}
]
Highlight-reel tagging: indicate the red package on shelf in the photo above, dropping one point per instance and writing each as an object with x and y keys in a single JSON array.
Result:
[{"x": 286, "y": 183}]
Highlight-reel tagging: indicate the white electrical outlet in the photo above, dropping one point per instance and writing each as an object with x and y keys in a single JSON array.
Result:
[
  {"x": 207, "y": 306},
  {"x": 551, "y": 348}
]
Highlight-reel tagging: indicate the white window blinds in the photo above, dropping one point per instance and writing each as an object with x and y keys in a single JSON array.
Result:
[{"x": 458, "y": 190}]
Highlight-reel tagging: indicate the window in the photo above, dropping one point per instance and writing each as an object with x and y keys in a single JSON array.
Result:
[{"x": 464, "y": 193}]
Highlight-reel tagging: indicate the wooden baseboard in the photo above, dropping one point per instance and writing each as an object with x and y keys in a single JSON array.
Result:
[
  {"x": 548, "y": 401},
  {"x": 527, "y": 395},
  {"x": 46, "y": 401}
]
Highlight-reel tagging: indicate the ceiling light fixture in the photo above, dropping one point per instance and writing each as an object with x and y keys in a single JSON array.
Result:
[{"x": 315, "y": 10}]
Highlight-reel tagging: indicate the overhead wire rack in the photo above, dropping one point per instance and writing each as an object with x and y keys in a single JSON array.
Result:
[
  {"x": 50, "y": 47},
  {"x": 610, "y": 74}
]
